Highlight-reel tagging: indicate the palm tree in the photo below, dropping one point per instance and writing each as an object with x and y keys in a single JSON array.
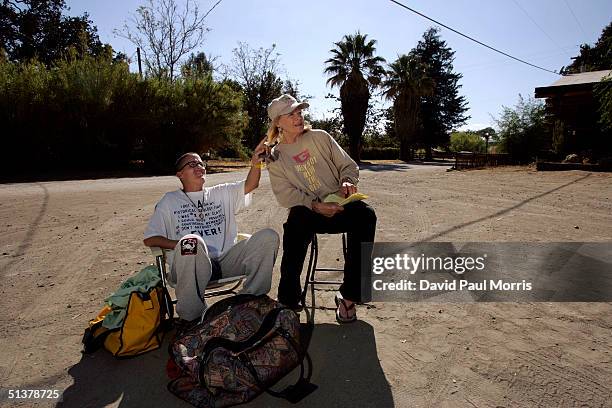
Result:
[
  {"x": 354, "y": 69},
  {"x": 406, "y": 82}
]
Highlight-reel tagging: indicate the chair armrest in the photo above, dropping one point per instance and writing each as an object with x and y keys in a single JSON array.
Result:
[
  {"x": 157, "y": 251},
  {"x": 160, "y": 261}
]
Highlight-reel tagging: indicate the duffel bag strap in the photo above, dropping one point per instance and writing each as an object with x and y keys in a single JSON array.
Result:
[{"x": 292, "y": 393}]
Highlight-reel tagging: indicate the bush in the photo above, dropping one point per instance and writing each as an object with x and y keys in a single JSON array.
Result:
[
  {"x": 522, "y": 131},
  {"x": 92, "y": 113},
  {"x": 466, "y": 142},
  {"x": 190, "y": 115},
  {"x": 236, "y": 151}
]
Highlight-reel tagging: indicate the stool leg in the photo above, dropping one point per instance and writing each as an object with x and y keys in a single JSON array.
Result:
[
  {"x": 312, "y": 265},
  {"x": 311, "y": 278}
]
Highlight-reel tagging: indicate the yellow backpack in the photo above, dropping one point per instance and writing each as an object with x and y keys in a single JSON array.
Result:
[{"x": 148, "y": 316}]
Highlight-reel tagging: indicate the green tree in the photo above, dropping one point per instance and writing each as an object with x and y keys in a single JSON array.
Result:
[
  {"x": 406, "y": 83},
  {"x": 197, "y": 66},
  {"x": 257, "y": 71},
  {"x": 603, "y": 93},
  {"x": 488, "y": 134},
  {"x": 355, "y": 70},
  {"x": 390, "y": 123},
  {"x": 522, "y": 131},
  {"x": 488, "y": 130},
  {"x": 466, "y": 141},
  {"x": 593, "y": 58},
  {"x": 193, "y": 114},
  {"x": 92, "y": 113},
  {"x": 292, "y": 87},
  {"x": 332, "y": 125},
  {"x": 444, "y": 109},
  {"x": 37, "y": 29}
]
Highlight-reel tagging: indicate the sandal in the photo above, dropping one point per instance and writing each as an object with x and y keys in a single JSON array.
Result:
[{"x": 339, "y": 318}]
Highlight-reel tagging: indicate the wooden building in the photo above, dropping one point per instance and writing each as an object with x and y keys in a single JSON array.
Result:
[{"x": 572, "y": 113}]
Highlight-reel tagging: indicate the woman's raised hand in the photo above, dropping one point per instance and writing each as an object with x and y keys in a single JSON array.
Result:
[{"x": 259, "y": 153}]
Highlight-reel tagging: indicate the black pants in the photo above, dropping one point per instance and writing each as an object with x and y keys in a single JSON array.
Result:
[{"x": 358, "y": 220}]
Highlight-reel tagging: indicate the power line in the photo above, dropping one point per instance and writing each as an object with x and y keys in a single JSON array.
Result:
[
  {"x": 536, "y": 23},
  {"x": 576, "y": 19},
  {"x": 495, "y": 62},
  {"x": 473, "y": 39}
]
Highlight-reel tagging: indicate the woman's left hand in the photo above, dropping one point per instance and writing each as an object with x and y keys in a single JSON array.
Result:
[{"x": 347, "y": 189}]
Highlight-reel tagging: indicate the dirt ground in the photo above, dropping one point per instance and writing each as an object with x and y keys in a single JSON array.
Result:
[{"x": 67, "y": 245}]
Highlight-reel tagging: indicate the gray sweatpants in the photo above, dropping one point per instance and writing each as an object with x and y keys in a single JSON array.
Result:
[{"x": 253, "y": 257}]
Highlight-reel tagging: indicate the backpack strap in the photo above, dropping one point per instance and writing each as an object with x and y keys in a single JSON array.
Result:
[{"x": 94, "y": 337}]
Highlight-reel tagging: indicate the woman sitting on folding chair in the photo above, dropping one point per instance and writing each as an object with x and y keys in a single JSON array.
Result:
[
  {"x": 305, "y": 166},
  {"x": 198, "y": 226}
]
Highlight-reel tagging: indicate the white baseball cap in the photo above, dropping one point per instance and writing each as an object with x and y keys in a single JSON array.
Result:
[{"x": 283, "y": 105}]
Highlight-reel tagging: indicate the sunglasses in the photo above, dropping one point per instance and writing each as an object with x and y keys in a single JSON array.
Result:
[{"x": 193, "y": 164}]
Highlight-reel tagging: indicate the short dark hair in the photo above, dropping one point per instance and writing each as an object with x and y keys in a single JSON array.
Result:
[{"x": 180, "y": 159}]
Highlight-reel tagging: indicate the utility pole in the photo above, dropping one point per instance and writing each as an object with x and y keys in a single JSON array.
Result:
[{"x": 139, "y": 62}]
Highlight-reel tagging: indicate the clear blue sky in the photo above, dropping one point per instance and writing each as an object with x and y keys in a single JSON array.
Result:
[{"x": 543, "y": 32}]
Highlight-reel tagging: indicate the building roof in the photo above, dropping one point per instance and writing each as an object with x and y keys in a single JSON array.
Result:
[
  {"x": 583, "y": 78},
  {"x": 571, "y": 82}
]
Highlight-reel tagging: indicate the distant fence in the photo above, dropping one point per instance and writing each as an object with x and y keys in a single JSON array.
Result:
[
  {"x": 474, "y": 160},
  {"x": 443, "y": 155},
  {"x": 464, "y": 160}
]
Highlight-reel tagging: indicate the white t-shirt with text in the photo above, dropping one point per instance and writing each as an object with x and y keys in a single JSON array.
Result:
[{"x": 209, "y": 213}]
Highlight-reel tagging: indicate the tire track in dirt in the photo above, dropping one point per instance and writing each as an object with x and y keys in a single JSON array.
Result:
[
  {"x": 71, "y": 270},
  {"x": 542, "y": 375},
  {"x": 79, "y": 279},
  {"x": 483, "y": 373}
]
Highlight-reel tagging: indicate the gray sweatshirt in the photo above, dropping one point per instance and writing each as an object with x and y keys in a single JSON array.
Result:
[{"x": 310, "y": 169}]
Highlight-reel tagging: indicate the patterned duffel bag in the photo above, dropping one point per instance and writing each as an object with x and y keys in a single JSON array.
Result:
[{"x": 243, "y": 346}]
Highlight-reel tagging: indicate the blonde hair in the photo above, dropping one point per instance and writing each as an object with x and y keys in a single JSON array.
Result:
[{"x": 275, "y": 133}]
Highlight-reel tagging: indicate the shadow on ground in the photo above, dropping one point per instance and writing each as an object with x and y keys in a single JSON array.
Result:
[
  {"x": 502, "y": 211},
  {"x": 346, "y": 370},
  {"x": 26, "y": 244},
  {"x": 443, "y": 163},
  {"x": 101, "y": 380},
  {"x": 383, "y": 167},
  {"x": 404, "y": 166}
]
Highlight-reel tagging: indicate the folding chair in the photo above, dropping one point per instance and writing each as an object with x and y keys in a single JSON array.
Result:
[
  {"x": 311, "y": 278},
  {"x": 160, "y": 262}
]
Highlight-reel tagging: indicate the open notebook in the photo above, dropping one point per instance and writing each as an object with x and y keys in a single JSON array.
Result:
[{"x": 335, "y": 198}]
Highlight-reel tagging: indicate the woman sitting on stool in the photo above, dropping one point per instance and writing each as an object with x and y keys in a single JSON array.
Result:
[{"x": 305, "y": 166}]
